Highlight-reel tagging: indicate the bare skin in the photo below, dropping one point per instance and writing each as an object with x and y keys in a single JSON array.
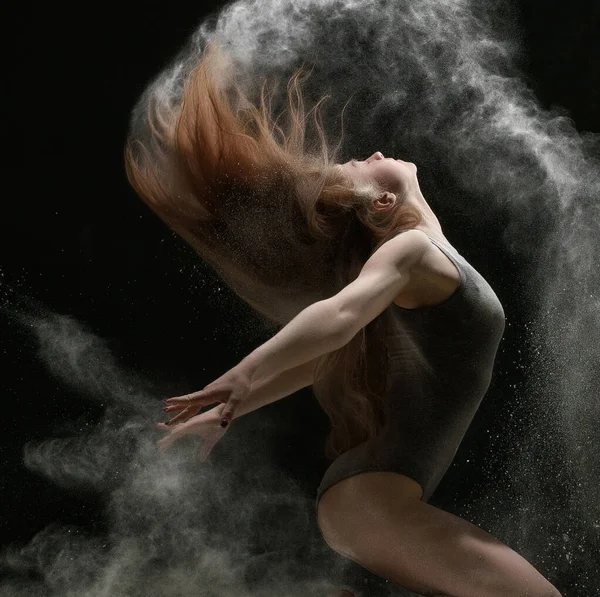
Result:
[
  {"x": 437, "y": 278},
  {"x": 399, "y": 179},
  {"x": 377, "y": 519}
]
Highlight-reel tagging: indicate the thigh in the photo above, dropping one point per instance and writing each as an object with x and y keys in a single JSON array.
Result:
[
  {"x": 378, "y": 521},
  {"x": 342, "y": 507}
]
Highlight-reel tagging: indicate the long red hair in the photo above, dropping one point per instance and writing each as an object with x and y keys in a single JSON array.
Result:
[{"x": 270, "y": 210}]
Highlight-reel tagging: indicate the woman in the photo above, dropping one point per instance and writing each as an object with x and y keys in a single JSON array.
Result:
[{"x": 392, "y": 327}]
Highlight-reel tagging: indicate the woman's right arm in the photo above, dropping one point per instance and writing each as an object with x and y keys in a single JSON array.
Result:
[
  {"x": 262, "y": 392},
  {"x": 278, "y": 386}
]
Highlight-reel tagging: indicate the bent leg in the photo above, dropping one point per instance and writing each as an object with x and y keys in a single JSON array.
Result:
[{"x": 375, "y": 520}]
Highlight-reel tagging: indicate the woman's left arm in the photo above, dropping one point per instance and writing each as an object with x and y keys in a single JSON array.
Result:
[
  {"x": 329, "y": 324},
  {"x": 320, "y": 328}
]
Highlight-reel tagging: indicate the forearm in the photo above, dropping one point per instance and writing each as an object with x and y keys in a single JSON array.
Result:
[
  {"x": 267, "y": 390},
  {"x": 316, "y": 330}
]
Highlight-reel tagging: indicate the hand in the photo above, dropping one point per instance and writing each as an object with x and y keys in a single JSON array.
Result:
[
  {"x": 231, "y": 389},
  {"x": 207, "y": 425}
]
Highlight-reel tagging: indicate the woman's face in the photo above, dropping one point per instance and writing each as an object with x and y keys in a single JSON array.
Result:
[{"x": 393, "y": 175}]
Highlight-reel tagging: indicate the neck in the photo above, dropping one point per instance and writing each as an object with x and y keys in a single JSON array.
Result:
[{"x": 417, "y": 200}]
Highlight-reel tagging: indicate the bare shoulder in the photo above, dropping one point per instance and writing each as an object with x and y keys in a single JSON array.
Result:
[
  {"x": 387, "y": 274},
  {"x": 406, "y": 249},
  {"x": 411, "y": 236}
]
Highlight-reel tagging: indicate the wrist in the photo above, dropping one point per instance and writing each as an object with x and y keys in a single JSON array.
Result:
[{"x": 249, "y": 366}]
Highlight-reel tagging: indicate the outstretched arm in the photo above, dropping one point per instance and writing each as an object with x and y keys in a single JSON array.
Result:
[
  {"x": 269, "y": 390},
  {"x": 328, "y": 325},
  {"x": 279, "y": 367},
  {"x": 320, "y": 328},
  {"x": 262, "y": 392}
]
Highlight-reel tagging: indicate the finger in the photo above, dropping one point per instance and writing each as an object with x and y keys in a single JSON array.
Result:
[
  {"x": 184, "y": 415},
  {"x": 166, "y": 442},
  {"x": 195, "y": 396},
  {"x": 206, "y": 449},
  {"x": 229, "y": 410},
  {"x": 179, "y": 407},
  {"x": 181, "y": 399},
  {"x": 174, "y": 409},
  {"x": 198, "y": 402}
]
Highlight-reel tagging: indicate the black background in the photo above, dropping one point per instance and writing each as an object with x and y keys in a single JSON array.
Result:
[{"x": 78, "y": 240}]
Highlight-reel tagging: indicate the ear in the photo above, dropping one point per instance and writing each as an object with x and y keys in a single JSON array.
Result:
[{"x": 384, "y": 202}]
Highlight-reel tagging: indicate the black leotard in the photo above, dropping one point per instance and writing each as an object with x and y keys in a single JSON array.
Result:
[{"x": 436, "y": 386}]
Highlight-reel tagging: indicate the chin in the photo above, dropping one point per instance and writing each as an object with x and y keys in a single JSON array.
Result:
[{"x": 407, "y": 163}]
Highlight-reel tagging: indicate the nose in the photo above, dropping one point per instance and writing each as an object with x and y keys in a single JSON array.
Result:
[{"x": 376, "y": 156}]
